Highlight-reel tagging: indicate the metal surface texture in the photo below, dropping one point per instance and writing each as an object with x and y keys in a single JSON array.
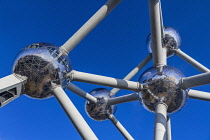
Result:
[
  {"x": 171, "y": 41},
  {"x": 162, "y": 87},
  {"x": 100, "y": 111},
  {"x": 42, "y": 64}
]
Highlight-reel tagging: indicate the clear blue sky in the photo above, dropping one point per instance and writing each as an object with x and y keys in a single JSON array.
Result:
[{"x": 112, "y": 49}]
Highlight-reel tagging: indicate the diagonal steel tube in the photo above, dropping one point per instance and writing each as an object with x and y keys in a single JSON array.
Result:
[
  {"x": 200, "y": 95},
  {"x": 158, "y": 52},
  {"x": 196, "y": 80},
  {"x": 120, "y": 127},
  {"x": 76, "y": 118},
  {"x": 160, "y": 121},
  {"x": 133, "y": 72},
  {"x": 104, "y": 81},
  {"x": 89, "y": 26},
  {"x": 193, "y": 93},
  {"x": 81, "y": 92},
  {"x": 191, "y": 61},
  {"x": 123, "y": 99}
]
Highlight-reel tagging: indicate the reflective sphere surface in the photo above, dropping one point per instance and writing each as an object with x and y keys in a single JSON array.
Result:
[
  {"x": 170, "y": 41},
  {"x": 43, "y": 64},
  {"x": 100, "y": 111},
  {"x": 162, "y": 87}
]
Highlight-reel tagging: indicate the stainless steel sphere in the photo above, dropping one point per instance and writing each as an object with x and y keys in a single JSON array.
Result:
[
  {"x": 171, "y": 41},
  {"x": 162, "y": 87},
  {"x": 100, "y": 111},
  {"x": 43, "y": 64}
]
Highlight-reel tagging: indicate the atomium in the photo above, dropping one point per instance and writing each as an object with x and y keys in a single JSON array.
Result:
[
  {"x": 41, "y": 70},
  {"x": 43, "y": 64},
  {"x": 101, "y": 110},
  {"x": 162, "y": 87},
  {"x": 171, "y": 41}
]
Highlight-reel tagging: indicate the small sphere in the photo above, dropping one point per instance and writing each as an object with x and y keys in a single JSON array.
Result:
[
  {"x": 100, "y": 111},
  {"x": 43, "y": 64},
  {"x": 171, "y": 41},
  {"x": 162, "y": 87}
]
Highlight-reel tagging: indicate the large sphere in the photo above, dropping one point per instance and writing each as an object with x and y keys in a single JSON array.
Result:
[
  {"x": 171, "y": 41},
  {"x": 43, "y": 65},
  {"x": 100, "y": 111},
  {"x": 162, "y": 87}
]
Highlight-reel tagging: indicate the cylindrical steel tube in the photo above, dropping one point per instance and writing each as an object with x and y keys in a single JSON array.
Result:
[
  {"x": 196, "y": 80},
  {"x": 134, "y": 72},
  {"x": 81, "y": 92},
  {"x": 160, "y": 121},
  {"x": 104, "y": 81},
  {"x": 168, "y": 131},
  {"x": 191, "y": 61},
  {"x": 158, "y": 52},
  {"x": 89, "y": 26},
  {"x": 123, "y": 99},
  {"x": 76, "y": 118},
  {"x": 195, "y": 94},
  {"x": 120, "y": 127}
]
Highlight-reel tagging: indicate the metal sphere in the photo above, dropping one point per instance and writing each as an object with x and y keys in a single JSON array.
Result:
[
  {"x": 171, "y": 41},
  {"x": 162, "y": 87},
  {"x": 100, "y": 111},
  {"x": 43, "y": 64}
]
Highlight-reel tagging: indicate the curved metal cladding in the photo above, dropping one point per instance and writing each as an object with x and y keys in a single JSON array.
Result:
[{"x": 43, "y": 64}]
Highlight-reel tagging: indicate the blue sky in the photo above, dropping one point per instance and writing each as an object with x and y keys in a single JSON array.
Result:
[{"x": 112, "y": 49}]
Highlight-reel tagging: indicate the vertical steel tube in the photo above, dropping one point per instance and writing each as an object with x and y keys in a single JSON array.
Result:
[
  {"x": 168, "y": 131},
  {"x": 161, "y": 20},
  {"x": 89, "y": 26},
  {"x": 158, "y": 52},
  {"x": 119, "y": 126},
  {"x": 76, "y": 118},
  {"x": 134, "y": 72},
  {"x": 160, "y": 121}
]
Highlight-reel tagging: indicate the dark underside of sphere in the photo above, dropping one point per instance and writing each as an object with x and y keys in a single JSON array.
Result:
[
  {"x": 44, "y": 66},
  {"x": 162, "y": 87},
  {"x": 100, "y": 111}
]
